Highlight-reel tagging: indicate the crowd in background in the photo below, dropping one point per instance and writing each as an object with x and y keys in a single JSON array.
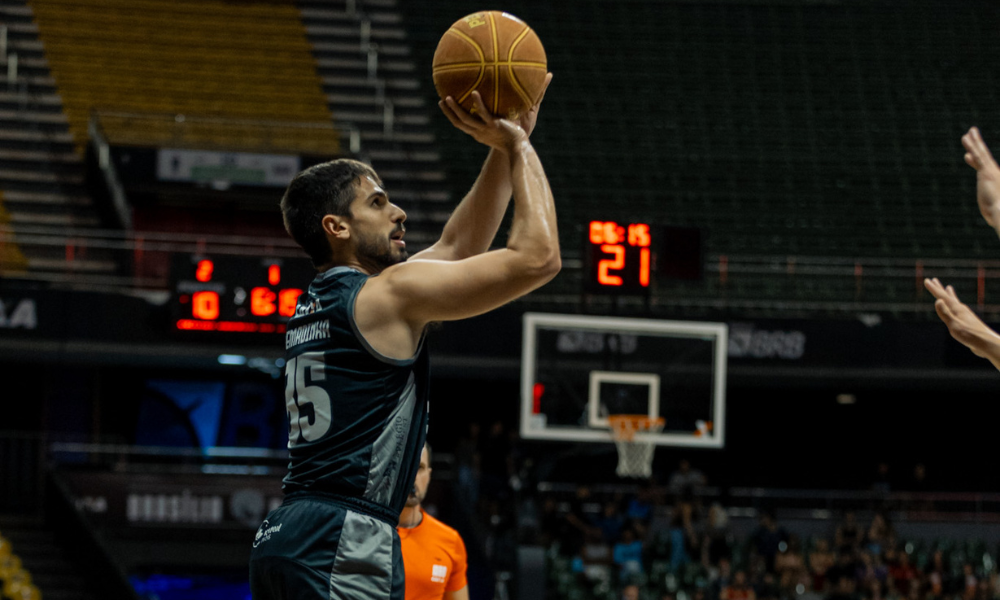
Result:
[{"x": 663, "y": 543}]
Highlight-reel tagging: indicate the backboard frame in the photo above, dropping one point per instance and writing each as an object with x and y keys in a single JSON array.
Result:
[{"x": 719, "y": 331}]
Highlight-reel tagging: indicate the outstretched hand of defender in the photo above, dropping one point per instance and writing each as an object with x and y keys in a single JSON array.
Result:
[
  {"x": 501, "y": 134},
  {"x": 963, "y": 324},
  {"x": 977, "y": 154}
]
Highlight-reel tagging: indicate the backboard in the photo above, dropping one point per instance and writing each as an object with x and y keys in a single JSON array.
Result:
[{"x": 578, "y": 369}]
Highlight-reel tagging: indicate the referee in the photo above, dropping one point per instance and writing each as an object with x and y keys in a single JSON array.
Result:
[{"x": 433, "y": 554}]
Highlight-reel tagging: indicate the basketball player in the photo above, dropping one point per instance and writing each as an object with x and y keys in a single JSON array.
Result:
[
  {"x": 433, "y": 553},
  {"x": 963, "y": 324},
  {"x": 356, "y": 368}
]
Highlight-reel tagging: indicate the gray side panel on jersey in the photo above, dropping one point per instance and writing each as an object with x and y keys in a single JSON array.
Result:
[
  {"x": 362, "y": 569},
  {"x": 387, "y": 451}
]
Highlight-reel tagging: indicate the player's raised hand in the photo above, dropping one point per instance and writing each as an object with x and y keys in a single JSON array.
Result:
[
  {"x": 529, "y": 118},
  {"x": 502, "y": 134},
  {"x": 963, "y": 324},
  {"x": 977, "y": 154}
]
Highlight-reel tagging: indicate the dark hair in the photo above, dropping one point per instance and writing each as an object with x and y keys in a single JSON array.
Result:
[{"x": 323, "y": 189}]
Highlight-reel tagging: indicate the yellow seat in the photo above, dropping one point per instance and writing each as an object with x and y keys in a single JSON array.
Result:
[{"x": 185, "y": 57}]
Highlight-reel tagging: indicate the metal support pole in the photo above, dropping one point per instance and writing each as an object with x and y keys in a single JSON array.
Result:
[
  {"x": 372, "y": 61},
  {"x": 366, "y": 32},
  {"x": 379, "y": 91},
  {"x": 3, "y": 42},
  {"x": 355, "y": 140},
  {"x": 11, "y": 70},
  {"x": 388, "y": 118}
]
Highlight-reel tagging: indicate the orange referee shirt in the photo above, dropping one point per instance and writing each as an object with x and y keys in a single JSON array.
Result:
[{"x": 434, "y": 558}]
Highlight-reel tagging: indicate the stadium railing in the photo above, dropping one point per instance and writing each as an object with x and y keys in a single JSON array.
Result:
[{"x": 815, "y": 284}]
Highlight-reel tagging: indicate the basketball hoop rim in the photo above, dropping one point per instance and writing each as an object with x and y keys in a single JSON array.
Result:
[{"x": 625, "y": 426}]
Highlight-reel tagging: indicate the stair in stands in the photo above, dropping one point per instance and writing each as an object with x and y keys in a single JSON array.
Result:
[
  {"x": 41, "y": 174},
  {"x": 404, "y": 155}
]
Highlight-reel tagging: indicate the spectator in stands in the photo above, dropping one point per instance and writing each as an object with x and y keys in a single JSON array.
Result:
[
  {"x": 627, "y": 554},
  {"x": 640, "y": 508},
  {"x": 597, "y": 558},
  {"x": 937, "y": 574},
  {"x": 468, "y": 465},
  {"x": 848, "y": 535},
  {"x": 767, "y": 537},
  {"x": 719, "y": 578},
  {"x": 580, "y": 526},
  {"x": 963, "y": 324},
  {"x": 970, "y": 582},
  {"x": 790, "y": 565},
  {"x": 844, "y": 588},
  {"x": 903, "y": 574},
  {"x": 684, "y": 540},
  {"x": 821, "y": 559},
  {"x": 685, "y": 480},
  {"x": 630, "y": 592},
  {"x": 879, "y": 534},
  {"x": 611, "y": 522},
  {"x": 767, "y": 587},
  {"x": 718, "y": 538},
  {"x": 739, "y": 589}
]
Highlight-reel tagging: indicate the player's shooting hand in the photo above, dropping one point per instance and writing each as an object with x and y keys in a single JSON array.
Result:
[
  {"x": 528, "y": 119},
  {"x": 502, "y": 134},
  {"x": 963, "y": 324},
  {"x": 977, "y": 154}
]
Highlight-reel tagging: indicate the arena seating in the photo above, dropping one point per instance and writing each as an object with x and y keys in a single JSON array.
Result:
[
  {"x": 246, "y": 61},
  {"x": 41, "y": 177},
  {"x": 779, "y": 128},
  {"x": 368, "y": 71},
  {"x": 15, "y": 580}
]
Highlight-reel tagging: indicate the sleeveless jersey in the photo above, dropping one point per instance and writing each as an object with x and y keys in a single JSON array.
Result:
[{"x": 357, "y": 420}]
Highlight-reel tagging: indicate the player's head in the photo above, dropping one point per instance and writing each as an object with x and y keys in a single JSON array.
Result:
[
  {"x": 423, "y": 479},
  {"x": 337, "y": 211}
]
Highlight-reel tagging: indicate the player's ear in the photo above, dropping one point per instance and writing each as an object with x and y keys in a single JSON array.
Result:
[{"x": 336, "y": 226}]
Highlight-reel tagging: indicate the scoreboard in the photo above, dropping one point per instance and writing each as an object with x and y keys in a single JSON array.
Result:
[
  {"x": 628, "y": 258},
  {"x": 236, "y": 294}
]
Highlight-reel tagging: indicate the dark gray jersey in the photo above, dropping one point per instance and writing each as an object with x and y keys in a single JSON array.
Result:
[{"x": 357, "y": 420}]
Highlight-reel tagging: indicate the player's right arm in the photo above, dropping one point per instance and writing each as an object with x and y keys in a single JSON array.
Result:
[
  {"x": 978, "y": 156},
  {"x": 422, "y": 291}
]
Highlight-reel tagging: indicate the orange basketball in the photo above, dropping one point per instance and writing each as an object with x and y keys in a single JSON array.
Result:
[{"x": 495, "y": 53}]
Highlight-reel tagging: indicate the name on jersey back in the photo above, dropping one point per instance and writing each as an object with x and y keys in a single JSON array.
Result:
[{"x": 318, "y": 330}]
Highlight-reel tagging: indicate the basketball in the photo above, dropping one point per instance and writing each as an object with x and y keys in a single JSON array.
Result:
[{"x": 495, "y": 53}]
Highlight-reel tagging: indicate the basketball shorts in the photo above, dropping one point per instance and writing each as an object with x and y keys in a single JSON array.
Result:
[{"x": 313, "y": 548}]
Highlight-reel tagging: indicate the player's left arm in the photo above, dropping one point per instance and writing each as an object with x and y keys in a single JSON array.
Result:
[
  {"x": 471, "y": 228},
  {"x": 963, "y": 324}
]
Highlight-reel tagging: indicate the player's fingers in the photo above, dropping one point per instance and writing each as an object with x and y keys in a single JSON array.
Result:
[
  {"x": 453, "y": 116},
  {"x": 481, "y": 112},
  {"x": 463, "y": 115},
  {"x": 545, "y": 87},
  {"x": 934, "y": 287},
  {"x": 943, "y": 312},
  {"x": 980, "y": 149},
  {"x": 971, "y": 160}
]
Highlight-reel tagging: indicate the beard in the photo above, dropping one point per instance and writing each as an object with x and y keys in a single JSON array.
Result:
[{"x": 380, "y": 253}]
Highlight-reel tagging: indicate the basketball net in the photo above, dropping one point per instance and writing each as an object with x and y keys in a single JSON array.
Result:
[{"x": 635, "y": 456}]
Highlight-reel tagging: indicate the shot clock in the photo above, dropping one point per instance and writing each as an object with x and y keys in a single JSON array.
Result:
[
  {"x": 627, "y": 258},
  {"x": 236, "y": 294}
]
